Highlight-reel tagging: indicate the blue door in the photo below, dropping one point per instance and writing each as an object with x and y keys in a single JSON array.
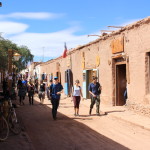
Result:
[{"x": 68, "y": 82}]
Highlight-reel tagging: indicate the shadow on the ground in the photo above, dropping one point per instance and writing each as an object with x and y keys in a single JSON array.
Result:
[
  {"x": 113, "y": 111},
  {"x": 65, "y": 133}
]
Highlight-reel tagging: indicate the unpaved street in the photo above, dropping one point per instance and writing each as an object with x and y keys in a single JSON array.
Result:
[{"x": 79, "y": 133}]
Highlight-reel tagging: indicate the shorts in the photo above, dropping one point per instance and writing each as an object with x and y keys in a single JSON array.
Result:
[{"x": 41, "y": 95}]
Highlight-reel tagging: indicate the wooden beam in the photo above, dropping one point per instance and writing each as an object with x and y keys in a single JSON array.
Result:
[
  {"x": 107, "y": 30},
  {"x": 115, "y": 26}
]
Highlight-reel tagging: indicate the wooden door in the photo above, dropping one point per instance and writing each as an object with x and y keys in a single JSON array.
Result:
[{"x": 120, "y": 84}]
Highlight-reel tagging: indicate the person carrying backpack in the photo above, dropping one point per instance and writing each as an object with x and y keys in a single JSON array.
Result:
[
  {"x": 55, "y": 93},
  {"x": 42, "y": 92},
  {"x": 95, "y": 91}
]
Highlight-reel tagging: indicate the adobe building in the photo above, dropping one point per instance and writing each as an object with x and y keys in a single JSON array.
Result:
[{"x": 120, "y": 59}]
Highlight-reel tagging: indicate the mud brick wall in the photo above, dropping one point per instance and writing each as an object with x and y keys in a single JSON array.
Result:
[{"x": 136, "y": 47}]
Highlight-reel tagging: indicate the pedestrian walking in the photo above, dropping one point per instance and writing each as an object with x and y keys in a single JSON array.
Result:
[
  {"x": 42, "y": 92},
  {"x": 36, "y": 86},
  {"x": 55, "y": 92},
  {"x": 31, "y": 93},
  {"x": 48, "y": 89},
  {"x": 76, "y": 95},
  {"x": 21, "y": 93},
  {"x": 95, "y": 91}
]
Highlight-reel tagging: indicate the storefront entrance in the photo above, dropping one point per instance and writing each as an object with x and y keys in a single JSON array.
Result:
[
  {"x": 68, "y": 82},
  {"x": 120, "y": 84},
  {"x": 58, "y": 74},
  {"x": 87, "y": 79}
]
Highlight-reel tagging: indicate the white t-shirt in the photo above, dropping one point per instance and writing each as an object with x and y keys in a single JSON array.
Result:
[{"x": 76, "y": 90}]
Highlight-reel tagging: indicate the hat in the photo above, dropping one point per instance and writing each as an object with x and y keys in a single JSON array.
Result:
[{"x": 55, "y": 78}]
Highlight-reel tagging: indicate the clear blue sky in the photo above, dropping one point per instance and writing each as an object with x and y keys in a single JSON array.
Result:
[{"x": 45, "y": 25}]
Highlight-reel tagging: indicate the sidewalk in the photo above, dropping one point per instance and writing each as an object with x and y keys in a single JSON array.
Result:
[{"x": 120, "y": 112}]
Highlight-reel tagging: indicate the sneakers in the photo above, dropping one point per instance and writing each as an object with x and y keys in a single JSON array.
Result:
[
  {"x": 98, "y": 114},
  {"x": 76, "y": 115}
]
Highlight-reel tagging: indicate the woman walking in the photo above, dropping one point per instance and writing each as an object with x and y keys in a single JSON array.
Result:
[
  {"x": 42, "y": 92},
  {"x": 30, "y": 92},
  {"x": 36, "y": 86},
  {"x": 22, "y": 93},
  {"x": 76, "y": 94}
]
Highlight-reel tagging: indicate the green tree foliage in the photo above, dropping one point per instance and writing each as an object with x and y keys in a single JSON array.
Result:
[{"x": 26, "y": 56}]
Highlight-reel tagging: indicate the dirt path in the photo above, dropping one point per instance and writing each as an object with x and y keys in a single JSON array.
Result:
[{"x": 79, "y": 133}]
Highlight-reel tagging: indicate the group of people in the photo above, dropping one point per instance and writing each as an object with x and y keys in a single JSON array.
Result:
[
  {"x": 94, "y": 90},
  {"x": 25, "y": 87},
  {"x": 54, "y": 91}
]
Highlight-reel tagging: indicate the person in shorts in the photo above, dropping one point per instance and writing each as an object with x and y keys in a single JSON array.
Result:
[{"x": 42, "y": 92}]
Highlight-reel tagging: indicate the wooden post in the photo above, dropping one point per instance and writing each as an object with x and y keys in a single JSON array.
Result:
[
  {"x": 127, "y": 69},
  {"x": 10, "y": 55}
]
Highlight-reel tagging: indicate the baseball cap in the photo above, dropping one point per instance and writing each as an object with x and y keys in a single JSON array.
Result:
[{"x": 55, "y": 78}]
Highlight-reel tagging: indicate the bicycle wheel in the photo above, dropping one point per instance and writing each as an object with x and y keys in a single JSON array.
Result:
[
  {"x": 13, "y": 123},
  {"x": 4, "y": 129}
]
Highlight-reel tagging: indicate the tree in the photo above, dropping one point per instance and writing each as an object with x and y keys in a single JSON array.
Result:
[
  {"x": 24, "y": 51},
  {"x": 26, "y": 57}
]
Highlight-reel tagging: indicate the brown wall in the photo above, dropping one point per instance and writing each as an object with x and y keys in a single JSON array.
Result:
[{"x": 136, "y": 44}]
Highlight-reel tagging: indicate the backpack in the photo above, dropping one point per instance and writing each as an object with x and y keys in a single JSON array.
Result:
[{"x": 99, "y": 90}]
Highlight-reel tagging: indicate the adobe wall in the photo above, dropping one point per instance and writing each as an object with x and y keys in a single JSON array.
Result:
[{"x": 136, "y": 44}]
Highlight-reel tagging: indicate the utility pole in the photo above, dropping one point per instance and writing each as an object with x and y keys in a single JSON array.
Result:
[
  {"x": 10, "y": 55},
  {"x": 43, "y": 54}
]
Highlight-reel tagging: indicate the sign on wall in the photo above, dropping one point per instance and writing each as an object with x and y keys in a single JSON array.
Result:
[
  {"x": 97, "y": 61},
  {"x": 83, "y": 60},
  {"x": 117, "y": 45}
]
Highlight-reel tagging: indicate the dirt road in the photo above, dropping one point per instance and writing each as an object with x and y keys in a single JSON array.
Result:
[{"x": 79, "y": 133}]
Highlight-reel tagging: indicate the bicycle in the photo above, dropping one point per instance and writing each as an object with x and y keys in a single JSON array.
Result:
[
  {"x": 4, "y": 128},
  {"x": 13, "y": 122}
]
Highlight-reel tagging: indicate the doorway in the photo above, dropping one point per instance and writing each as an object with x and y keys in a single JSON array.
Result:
[
  {"x": 68, "y": 82},
  {"x": 87, "y": 79},
  {"x": 58, "y": 74},
  {"x": 120, "y": 84}
]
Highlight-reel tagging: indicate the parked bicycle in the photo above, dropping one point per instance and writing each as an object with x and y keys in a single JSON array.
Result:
[
  {"x": 12, "y": 119},
  {"x": 4, "y": 128}
]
